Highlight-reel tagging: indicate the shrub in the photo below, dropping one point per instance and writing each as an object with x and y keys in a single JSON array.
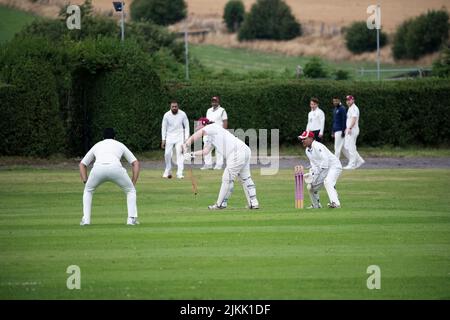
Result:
[
  {"x": 421, "y": 35},
  {"x": 441, "y": 67},
  {"x": 359, "y": 39},
  {"x": 269, "y": 19},
  {"x": 342, "y": 74},
  {"x": 233, "y": 15},
  {"x": 161, "y": 12},
  {"x": 315, "y": 69}
]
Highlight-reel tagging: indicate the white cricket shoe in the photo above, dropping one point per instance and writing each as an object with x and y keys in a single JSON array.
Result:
[
  {"x": 132, "y": 221},
  {"x": 313, "y": 207},
  {"x": 167, "y": 175},
  {"x": 359, "y": 163},
  {"x": 84, "y": 222},
  {"x": 180, "y": 176},
  {"x": 333, "y": 205},
  {"x": 206, "y": 167},
  {"x": 217, "y": 168},
  {"x": 216, "y": 207},
  {"x": 349, "y": 167}
]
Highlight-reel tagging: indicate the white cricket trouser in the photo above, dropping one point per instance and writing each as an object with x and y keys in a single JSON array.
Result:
[
  {"x": 350, "y": 145},
  {"x": 328, "y": 178},
  {"x": 168, "y": 152},
  {"x": 339, "y": 145},
  {"x": 238, "y": 165},
  {"x": 108, "y": 172},
  {"x": 208, "y": 157}
]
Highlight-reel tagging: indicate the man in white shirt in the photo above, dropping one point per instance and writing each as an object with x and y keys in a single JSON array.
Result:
[
  {"x": 174, "y": 130},
  {"x": 352, "y": 132},
  {"x": 218, "y": 115},
  {"x": 107, "y": 167},
  {"x": 316, "y": 119},
  {"x": 236, "y": 153},
  {"x": 325, "y": 170}
]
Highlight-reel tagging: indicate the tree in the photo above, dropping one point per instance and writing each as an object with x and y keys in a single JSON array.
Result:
[
  {"x": 421, "y": 35},
  {"x": 161, "y": 12},
  {"x": 315, "y": 69},
  {"x": 233, "y": 15},
  {"x": 270, "y": 19},
  {"x": 441, "y": 67},
  {"x": 359, "y": 39}
]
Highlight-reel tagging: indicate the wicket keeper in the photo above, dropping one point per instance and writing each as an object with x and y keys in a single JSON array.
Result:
[{"x": 325, "y": 170}]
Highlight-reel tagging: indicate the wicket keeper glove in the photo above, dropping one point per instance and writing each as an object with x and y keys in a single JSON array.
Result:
[{"x": 189, "y": 156}]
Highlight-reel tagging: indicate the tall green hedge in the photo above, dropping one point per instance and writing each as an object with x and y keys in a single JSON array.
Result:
[
  {"x": 58, "y": 100},
  {"x": 59, "y": 97},
  {"x": 131, "y": 100},
  {"x": 396, "y": 113},
  {"x": 31, "y": 122}
]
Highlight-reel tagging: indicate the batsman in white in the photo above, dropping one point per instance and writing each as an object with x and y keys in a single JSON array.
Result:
[
  {"x": 237, "y": 155},
  {"x": 218, "y": 115},
  {"x": 325, "y": 170},
  {"x": 107, "y": 167},
  {"x": 174, "y": 130}
]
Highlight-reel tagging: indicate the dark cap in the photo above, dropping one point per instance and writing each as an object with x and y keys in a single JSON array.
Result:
[{"x": 109, "y": 133}]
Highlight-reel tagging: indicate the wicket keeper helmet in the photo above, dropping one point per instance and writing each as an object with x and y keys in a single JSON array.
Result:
[
  {"x": 203, "y": 121},
  {"x": 306, "y": 134}
]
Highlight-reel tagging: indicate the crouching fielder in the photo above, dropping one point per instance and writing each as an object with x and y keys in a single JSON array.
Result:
[
  {"x": 107, "y": 167},
  {"x": 325, "y": 170},
  {"x": 237, "y": 155}
]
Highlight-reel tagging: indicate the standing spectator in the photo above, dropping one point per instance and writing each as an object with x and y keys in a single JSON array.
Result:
[
  {"x": 218, "y": 115},
  {"x": 339, "y": 126},
  {"x": 352, "y": 132},
  {"x": 316, "y": 120},
  {"x": 174, "y": 129}
]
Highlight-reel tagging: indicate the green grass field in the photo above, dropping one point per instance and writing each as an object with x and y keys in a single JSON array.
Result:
[
  {"x": 243, "y": 61},
  {"x": 396, "y": 219},
  {"x": 11, "y": 21}
]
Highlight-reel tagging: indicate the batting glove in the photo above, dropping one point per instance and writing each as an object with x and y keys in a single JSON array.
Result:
[{"x": 189, "y": 156}]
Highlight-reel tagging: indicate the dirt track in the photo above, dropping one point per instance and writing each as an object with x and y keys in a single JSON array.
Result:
[{"x": 285, "y": 163}]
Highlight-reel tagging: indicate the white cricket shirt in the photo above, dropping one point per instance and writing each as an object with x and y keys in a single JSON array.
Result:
[
  {"x": 321, "y": 157},
  {"x": 218, "y": 116},
  {"x": 224, "y": 142},
  {"x": 316, "y": 120},
  {"x": 353, "y": 112},
  {"x": 172, "y": 126},
  {"x": 108, "y": 151}
]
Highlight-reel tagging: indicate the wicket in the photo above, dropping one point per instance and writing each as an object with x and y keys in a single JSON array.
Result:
[{"x": 298, "y": 174}]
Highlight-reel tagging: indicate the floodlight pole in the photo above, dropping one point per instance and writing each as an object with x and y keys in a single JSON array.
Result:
[
  {"x": 186, "y": 48},
  {"x": 122, "y": 23},
  {"x": 378, "y": 26}
]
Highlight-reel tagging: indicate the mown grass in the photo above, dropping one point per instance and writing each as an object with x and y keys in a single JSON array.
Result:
[
  {"x": 263, "y": 64},
  {"x": 12, "y": 21},
  {"x": 396, "y": 219}
]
